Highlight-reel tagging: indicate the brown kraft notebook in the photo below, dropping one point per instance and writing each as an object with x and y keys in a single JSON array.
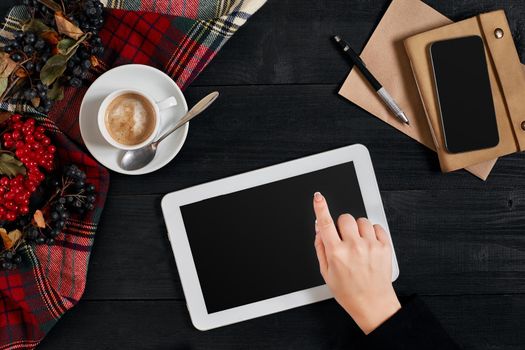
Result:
[{"x": 507, "y": 82}]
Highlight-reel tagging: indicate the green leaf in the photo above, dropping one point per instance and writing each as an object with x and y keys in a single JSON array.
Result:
[
  {"x": 11, "y": 166},
  {"x": 3, "y": 84},
  {"x": 56, "y": 92},
  {"x": 36, "y": 26},
  {"x": 65, "y": 45},
  {"x": 53, "y": 69},
  {"x": 68, "y": 47}
]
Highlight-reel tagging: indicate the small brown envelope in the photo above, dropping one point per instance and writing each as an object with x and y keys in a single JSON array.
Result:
[{"x": 385, "y": 56}]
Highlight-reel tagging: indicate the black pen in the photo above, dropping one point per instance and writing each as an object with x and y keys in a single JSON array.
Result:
[{"x": 383, "y": 94}]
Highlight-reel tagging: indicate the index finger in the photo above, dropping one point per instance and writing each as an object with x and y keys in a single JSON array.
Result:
[{"x": 325, "y": 223}]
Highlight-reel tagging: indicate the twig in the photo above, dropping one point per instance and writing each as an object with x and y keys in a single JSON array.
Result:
[{"x": 6, "y": 92}]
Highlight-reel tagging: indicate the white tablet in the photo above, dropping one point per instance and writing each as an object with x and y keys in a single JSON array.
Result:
[{"x": 244, "y": 244}]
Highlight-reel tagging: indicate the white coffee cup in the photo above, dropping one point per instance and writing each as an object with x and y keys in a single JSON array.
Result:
[{"x": 158, "y": 106}]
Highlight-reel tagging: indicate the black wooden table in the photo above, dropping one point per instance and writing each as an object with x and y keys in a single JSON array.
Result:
[{"x": 460, "y": 241}]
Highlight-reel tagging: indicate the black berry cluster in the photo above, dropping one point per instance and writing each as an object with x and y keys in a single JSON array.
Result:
[
  {"x": 10, "y": 260},
  {"x": 70, "y": 194},
  {"x": 34, "y": 46},
  {"x": 31, "y": 53},
  {"x": 86, "y": 14},
  {"x": 79, "y": 64},
  {"x": 84, "y": 197}
]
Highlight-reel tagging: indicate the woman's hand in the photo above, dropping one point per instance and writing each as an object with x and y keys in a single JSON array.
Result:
[{"x": 356, "y": 264}]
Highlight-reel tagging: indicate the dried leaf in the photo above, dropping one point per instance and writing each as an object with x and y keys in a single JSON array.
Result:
[
  {"x": 35, "y": 26},
  {"x": 94, "y": 61},
  {"x": 10, "y": 238},
  {"x": 5, "y": 238},
  {"x": 11, "y": 166},
  {"x": 35, "y": 101},
  {"x": 51, "y": 4},
  {"x": 21, "y": 73},
  {"x": 3, "y": 61},
  {"x": 67, "y": 28},
  {"x": 39, "y": 219},
  {"x": 56, "y": 93},
  {"x": 65, "y": 45},
  {"x": 3, "y": 84},
  {"x": 54, "y": 68},
  {"x": 7, "y": 65},
  {"x": 4, "y": 116},
  {"x": 50, "y": 37},
  {"x": 15, "y": 236},
  {"x": 8, "y": 35}
]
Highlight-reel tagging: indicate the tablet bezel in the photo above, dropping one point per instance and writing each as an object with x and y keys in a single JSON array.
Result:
[{"x": 172, "y": 202}]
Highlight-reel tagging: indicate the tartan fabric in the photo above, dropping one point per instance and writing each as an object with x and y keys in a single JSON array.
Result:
[
  {"x": 177, "y": 37},
  {"x": 51, "y": 279}
]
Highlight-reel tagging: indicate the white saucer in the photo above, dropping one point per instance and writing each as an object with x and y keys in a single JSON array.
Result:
[{"x": 144, "y": 78}]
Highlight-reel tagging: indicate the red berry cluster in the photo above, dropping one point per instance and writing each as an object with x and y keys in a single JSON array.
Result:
[{"x": 34, "y": 149}]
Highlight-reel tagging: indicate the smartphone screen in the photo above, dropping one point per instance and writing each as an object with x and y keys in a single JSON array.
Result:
[{"x": 464, "y": 94}]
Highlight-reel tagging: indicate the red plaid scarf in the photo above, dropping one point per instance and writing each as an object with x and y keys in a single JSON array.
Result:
[
  {"x": 181, "y": 41},
  {"x": 51, "y": 279}
]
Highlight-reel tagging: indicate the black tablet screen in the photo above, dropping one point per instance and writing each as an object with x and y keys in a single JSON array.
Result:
[{"x": 257, "y": 243}]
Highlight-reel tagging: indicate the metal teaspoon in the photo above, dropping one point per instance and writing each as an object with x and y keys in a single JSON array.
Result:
[{"x": 139, "y": 158}]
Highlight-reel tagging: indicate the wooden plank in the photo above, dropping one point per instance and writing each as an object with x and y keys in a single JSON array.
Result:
[
  {"x": 475, "y": 322},
  {"x": 255, "y": 126},
  {"x": 132, "y": 257},
  {"x": 447, "y": 241},
  {"x": 289, "y": 41}
]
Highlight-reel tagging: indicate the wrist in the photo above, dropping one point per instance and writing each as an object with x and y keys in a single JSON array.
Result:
[{"x": 370, "y": 314}]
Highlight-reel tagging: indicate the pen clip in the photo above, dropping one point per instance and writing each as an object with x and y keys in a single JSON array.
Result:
[{"x": 346, "y": 47}]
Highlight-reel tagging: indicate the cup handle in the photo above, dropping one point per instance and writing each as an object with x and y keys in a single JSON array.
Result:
[{"x": 167, "y": 103}]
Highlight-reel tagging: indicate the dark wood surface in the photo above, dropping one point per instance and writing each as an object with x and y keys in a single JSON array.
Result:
[{"x": 460, "y": 241}]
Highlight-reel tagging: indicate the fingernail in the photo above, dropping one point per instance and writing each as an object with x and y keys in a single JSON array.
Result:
[{"x": 318, "y": 196}]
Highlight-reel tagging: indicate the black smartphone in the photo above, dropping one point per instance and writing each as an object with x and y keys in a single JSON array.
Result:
[{"x": 464, "y": 94}]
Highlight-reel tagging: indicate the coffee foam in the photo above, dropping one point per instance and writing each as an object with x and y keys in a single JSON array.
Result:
[{"x": 130, "y": 119}]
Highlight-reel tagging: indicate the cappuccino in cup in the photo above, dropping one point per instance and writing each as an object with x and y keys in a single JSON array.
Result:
[{"x": 130, "y": 119}]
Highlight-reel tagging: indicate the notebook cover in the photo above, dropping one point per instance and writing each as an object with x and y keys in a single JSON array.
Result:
[
  {"x": 386, "y": 57},
  {"x": 506, "y": 79}
]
